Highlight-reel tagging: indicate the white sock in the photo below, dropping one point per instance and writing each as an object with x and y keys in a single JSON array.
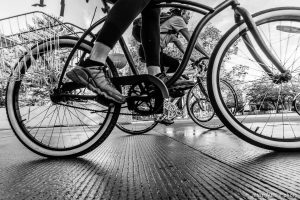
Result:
[
  {"x": 100, "y": 52},
  {"x": 153, "y": 70}
]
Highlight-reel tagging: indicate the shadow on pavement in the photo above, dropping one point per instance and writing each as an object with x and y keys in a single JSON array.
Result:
[
  {"x": 41, "y": 178},
  {"x": 274, "y": 156}
]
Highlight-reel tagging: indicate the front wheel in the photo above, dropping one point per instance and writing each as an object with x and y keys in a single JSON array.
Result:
[
  {"x": 265, "y": 116},
  {"x": 136, "y": 125},
  {"x": 296, "y": 104},
  {"x": 199, "y": 106},
  {"x": 51, "y": 125}
]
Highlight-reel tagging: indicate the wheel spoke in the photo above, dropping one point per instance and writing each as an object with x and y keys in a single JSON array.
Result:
[
  {"x": 55, "y": 125},
  {"x": 264, "y": 113}
]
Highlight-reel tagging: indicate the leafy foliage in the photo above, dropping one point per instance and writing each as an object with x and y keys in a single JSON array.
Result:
[
  {"x": 40, "y": 28},
  {"x": 266, "y": 95}
]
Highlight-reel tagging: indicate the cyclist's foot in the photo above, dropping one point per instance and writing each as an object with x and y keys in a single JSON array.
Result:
[
  {"x": 92, "y": 76},
  {"x": 164, "y": 120},
  {"x": 180, "y": 84}
]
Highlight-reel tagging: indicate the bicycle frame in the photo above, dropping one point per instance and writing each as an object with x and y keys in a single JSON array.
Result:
[{"x": 241, "y": 15}]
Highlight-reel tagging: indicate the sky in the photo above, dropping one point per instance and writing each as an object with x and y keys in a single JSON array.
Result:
[{"x": 80, "y": 13}]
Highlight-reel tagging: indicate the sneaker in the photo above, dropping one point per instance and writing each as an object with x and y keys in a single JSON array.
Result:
[
  {"x": 180, "y": 84},
  {"x": 163, "y": 120},
  {"x": 93, "y": 77}
]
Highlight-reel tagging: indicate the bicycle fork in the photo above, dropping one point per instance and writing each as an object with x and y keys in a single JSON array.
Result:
[{"x": 242, "y": 13}]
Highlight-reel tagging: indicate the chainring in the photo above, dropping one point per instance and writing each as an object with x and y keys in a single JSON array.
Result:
[{"x": 145, "y": 98}]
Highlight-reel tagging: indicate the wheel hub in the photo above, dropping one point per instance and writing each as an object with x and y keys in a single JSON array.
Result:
[{"x": 282, "y": 78}]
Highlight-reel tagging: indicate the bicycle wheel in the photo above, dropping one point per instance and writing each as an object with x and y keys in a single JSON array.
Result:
[
  {"x": 200, "y": 109},
  {"x": 264, "y": 117},
  {"x": 296, "y": 104},
  {"x": 134, "y": 124},
  {"x": 45, "y": 124}
]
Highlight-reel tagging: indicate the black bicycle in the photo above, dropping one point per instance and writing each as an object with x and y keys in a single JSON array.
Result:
[
  {"x": 258, "y": 52},
  {"x": 199, "y": 106}
]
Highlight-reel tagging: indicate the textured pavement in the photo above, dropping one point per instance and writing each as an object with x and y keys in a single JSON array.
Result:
[{"x": 182, "y": 161}]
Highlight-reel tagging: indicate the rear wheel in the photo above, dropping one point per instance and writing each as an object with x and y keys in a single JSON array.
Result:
[
  {"x": 265, "y": 116},
  {"x": 136, "y": 125},
  {"x": 296, "y": 104},
  {"x": 200, "y": 109},
  {"x": 138, "y": 118},
  {"x": 51, "y": 125}
]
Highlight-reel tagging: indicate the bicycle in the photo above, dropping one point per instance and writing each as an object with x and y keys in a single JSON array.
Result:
[
  {"x": 296, "y": 103},
  {"x": 197, "y": 104},
  {"x": 199, "y": 107},
  {"x": 56, "y": 138},
  {"x": 139, "y": 124}
]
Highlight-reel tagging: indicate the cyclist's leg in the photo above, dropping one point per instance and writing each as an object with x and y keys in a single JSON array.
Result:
[
  {"x": 150, "y": 36},
  {"x": 169, "y": 63},
  {"x": 118, "y": 20},
  {"x": 141, "y": 54},
  {"x": 91, "y": 73}
]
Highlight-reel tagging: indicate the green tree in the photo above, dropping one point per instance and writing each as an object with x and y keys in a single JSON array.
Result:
[
  {"x": 267, "y": 95},
  {"x": 41, "y": 27},
  {"x": 236, "y": 77}
]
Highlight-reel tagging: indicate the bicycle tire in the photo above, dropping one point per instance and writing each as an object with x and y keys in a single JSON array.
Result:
[
  {"x": 74, "y": 131},
  {"x": 211, "y": 121},
  {"x": 296, "y": 104},
  {"x": 270, "y": 126},
  {"x": 132, "y": 122},
  {"x": 137, "y": 127}
]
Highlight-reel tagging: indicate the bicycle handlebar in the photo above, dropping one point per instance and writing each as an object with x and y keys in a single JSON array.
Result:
[{"x": 199, "y": 64}]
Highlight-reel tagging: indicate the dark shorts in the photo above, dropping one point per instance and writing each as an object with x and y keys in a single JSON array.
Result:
[{"x": 165, "y": 60}]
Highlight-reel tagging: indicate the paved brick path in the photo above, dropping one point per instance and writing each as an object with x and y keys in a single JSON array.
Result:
[{"x": 179, "y": 162}]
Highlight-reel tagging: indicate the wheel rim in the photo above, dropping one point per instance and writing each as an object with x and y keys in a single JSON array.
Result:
[
  {"x": 210, "y": 121},
  {"x": 136, "y": 124},
  {"x": 50, "y": 128},
  {"x": 280, "y": 123}
]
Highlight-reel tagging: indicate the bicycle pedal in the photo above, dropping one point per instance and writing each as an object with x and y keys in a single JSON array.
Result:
[
  {"x": 70, "y": 86},
  {"x": 181, "y": 87}
]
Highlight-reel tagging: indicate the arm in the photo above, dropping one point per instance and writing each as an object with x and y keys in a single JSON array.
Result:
[
  {"x": 185, "y": 33},
  {"x": 180, "y": 46}
]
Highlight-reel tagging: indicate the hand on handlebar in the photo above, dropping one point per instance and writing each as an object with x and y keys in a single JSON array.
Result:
[
  {"x": 195, "y": 63},
  {"x": 200, "y": 64}
]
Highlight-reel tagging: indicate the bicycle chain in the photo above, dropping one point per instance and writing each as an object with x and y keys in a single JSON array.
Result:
[
  {"x": 170, "y": 110},
  {"x": 92, "y": 110}
]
